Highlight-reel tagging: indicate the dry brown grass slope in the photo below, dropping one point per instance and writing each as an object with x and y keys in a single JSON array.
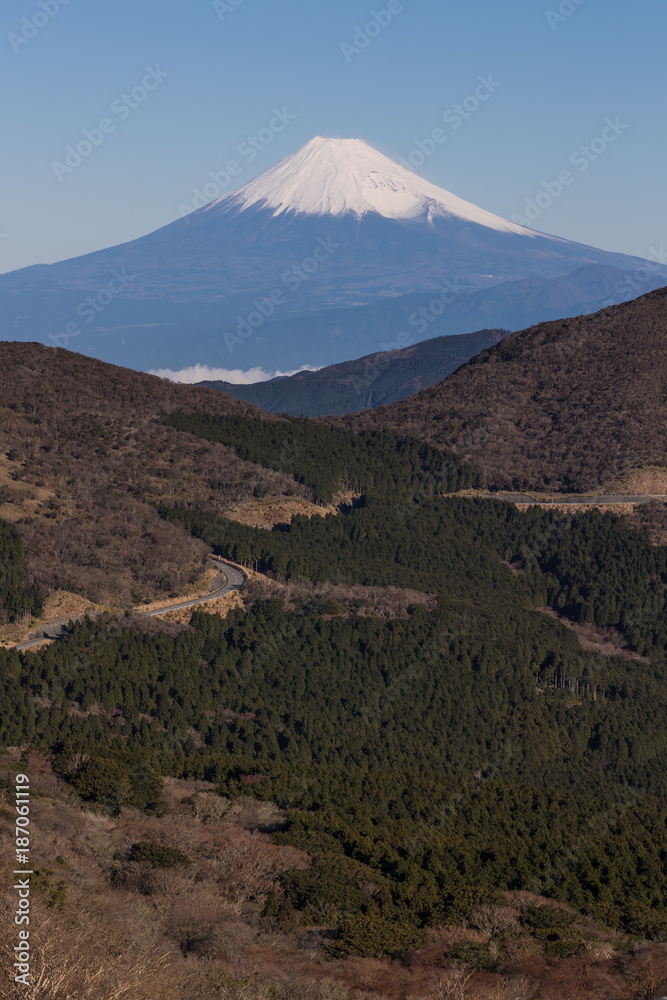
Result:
[
  {"x": 107, "y": 927},
  {"x": 568, "y": 405},
  {"x": 83, "y": 457}
]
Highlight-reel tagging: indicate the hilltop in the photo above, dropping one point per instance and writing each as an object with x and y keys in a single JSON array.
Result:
[{"x": 567, "y": 405}]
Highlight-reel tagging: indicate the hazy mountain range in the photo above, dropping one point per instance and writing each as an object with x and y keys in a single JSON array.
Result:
[{"x": 365, "y": 383}]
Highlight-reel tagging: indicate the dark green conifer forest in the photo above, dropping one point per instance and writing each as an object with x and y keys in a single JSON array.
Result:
[
  {"x": 443, "y": 757},
  {"x": 17, "y": 598}
]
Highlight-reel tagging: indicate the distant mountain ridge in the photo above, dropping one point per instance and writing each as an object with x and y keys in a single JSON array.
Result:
[
  {"x": 347, "y": 333},
  {"x": 335, "y": 227},
  {"x": 373, "y": 380},
  {"x": 566, "y": 405}
]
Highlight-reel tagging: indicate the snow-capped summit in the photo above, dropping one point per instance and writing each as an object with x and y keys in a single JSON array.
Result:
[
  {"x": 334, "y": 252},
  {"x": 347, "y": 176}
]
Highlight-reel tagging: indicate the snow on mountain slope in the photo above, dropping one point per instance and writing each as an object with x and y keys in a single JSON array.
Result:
[
  {"x": 339, "y": 176},
  {"x": 323, "y": 257}
]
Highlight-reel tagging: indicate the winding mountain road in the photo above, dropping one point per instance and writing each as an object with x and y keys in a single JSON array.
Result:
[
  {"x": 234, "y": 578},
  {"x": 227, "y": 580}
]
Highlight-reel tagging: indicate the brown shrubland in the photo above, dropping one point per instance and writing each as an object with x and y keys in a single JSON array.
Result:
[
  {"x": 83, "y": 457},
  {"x": 572, "y": 404},
  {"x": 122, "y": 930},
  {"x": 375, "y": 602}
]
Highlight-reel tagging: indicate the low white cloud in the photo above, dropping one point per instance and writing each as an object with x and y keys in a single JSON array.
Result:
[{"x": 202, "y": 373}]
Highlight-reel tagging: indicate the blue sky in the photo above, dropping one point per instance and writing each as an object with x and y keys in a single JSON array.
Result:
[{"x": 557, "y": 78}]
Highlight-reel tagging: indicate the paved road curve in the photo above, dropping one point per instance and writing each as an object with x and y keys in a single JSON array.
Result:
[
  {"x": 229, "y": 579},
  {"x": 608, "y": 499},
  {"x": 234, "y": 579}
]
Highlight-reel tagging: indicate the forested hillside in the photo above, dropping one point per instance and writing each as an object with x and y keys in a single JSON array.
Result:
[
  {"x": 16, "y": 597},
  {"x": 461, "y": 781},
  {"x": 592, "y": 567},
  {"x": 566, "y": 405},
  {"x": 448, "y": 757},
  {"x": 328, "y": 459}
]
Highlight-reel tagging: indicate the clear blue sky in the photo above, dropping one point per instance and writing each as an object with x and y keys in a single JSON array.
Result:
[{"x": 227, "y": 70}]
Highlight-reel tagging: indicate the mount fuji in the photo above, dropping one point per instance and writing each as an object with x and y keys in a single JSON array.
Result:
[{"x": 335, "y": 252}]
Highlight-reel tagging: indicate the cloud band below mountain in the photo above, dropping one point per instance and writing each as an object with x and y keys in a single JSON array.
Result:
[{"x": 202, "y": 373}]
